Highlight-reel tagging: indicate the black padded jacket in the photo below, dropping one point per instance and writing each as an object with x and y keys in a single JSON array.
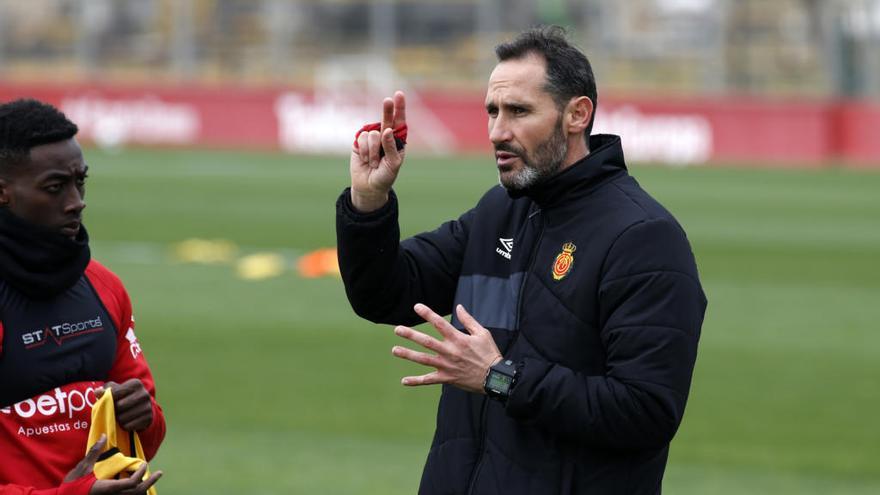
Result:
[{"x": 589, "y": 285}]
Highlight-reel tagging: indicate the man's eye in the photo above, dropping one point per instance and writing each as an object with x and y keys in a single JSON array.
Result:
[
  {"x": 518, "y": 111},
  {"x": 53, "y": 188}
]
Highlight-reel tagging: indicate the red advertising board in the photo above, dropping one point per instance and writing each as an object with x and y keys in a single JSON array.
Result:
[{"x": 672, "y": 131}]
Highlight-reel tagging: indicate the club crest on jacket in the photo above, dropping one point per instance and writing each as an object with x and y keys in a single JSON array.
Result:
[{"x": 564, "y": 261}]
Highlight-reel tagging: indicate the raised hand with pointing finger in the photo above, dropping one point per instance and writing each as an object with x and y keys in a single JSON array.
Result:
[{"x": 377, "y": 155}]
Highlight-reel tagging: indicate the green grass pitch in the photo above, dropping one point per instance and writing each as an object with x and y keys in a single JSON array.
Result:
[{"x": 276, "y": 387}]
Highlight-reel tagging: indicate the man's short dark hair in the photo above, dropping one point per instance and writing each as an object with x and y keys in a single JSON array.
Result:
[
  {"x": 569, "y": 73},
  {"x": 27, "y": 123}
]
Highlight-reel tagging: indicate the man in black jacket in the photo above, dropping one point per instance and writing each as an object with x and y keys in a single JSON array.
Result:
[{"x": 575, "y": 300}]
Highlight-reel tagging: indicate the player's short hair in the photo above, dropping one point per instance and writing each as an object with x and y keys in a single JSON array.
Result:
[
  {"x": 27, "y": 123},
  {"x": 569, "y": 73}
]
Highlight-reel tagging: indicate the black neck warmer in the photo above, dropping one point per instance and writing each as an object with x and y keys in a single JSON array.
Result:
[{"x": 38, "y": 261}]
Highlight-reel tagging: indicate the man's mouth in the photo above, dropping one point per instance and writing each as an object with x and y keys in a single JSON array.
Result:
[
  {"x": 505, "y": 158},
  {"x": 70, "y": 229}
]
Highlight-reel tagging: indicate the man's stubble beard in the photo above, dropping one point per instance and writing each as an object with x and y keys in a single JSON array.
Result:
[{"x": 539, "y": 166}]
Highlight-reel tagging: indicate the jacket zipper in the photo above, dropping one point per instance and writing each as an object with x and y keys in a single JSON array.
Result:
[{"x": 510, "y": 344}]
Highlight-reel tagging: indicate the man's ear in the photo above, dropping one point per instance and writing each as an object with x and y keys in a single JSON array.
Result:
[
  {"x": 4, "y": 192},
  {"x": 578, "y": 114}
]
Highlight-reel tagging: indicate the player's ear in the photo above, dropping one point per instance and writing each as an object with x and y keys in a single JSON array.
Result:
[{"x": 578, "y": 113}]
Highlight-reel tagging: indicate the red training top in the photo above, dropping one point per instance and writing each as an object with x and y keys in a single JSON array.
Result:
[{"x": 42, "y": 438}]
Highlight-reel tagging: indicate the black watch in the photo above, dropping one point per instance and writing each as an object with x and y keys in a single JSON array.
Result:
[{"x": 500, "y": 380}]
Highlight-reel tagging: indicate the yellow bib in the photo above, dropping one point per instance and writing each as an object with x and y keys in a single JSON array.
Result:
[{"x": 123, "y": 452}]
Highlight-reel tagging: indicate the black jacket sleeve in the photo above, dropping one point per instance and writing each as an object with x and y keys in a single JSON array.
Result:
[
  {"x": 384, "y": 278},
  {"x": 651, "y": 310}
]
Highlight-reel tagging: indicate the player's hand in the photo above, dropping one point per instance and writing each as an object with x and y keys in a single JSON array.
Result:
[
  {"x": 460, "y": 359},
  {"x": 133, "y": 485},
  {"x": 134, "y": 408},
  {"x": 87, "y": 464},
  {"x": 372, "y": 176}
]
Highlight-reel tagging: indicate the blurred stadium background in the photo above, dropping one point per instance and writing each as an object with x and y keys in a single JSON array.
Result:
[{"x": 217, "y": 134}]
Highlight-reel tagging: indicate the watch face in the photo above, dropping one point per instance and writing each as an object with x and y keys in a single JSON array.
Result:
[{"x": 499, "y": 382}]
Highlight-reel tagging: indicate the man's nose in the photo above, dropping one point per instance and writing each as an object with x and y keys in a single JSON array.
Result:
[
  {"x": 499, "y": 131},
  {"x": 76, "y": 203}
]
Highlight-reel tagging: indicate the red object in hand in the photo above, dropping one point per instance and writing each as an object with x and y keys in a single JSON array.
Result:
[{"x": 399, "y": 135}]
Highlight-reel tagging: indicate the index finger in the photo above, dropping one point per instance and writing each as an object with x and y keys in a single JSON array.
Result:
[
  {"x": 387, "y": 113},
  {"x": 399, "y": 109},
  {"x": 470, "y": 323},
  {"x": 139, "y": 473},
  {"x": 95, "y": 452},
  {"x": 130, "y": 484},
  {"x": 444, "y": 327},
  {"x": 120, "y": 390},
  {"x": 105, "y": 387}
]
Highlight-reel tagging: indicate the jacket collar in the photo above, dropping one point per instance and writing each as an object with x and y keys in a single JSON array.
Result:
[{"x": 605, "y": 160}]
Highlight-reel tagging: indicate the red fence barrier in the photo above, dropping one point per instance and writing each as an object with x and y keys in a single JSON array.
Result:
[{"x": 673, "y": 131}]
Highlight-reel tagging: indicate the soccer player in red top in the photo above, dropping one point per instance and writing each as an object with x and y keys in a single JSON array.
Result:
[{"x": 66, "y": 325}]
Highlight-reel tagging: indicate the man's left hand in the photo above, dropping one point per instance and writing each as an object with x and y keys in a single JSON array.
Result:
[
  {"x": 461, "y": 359},
  {"x": 134, "y": 408}
]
